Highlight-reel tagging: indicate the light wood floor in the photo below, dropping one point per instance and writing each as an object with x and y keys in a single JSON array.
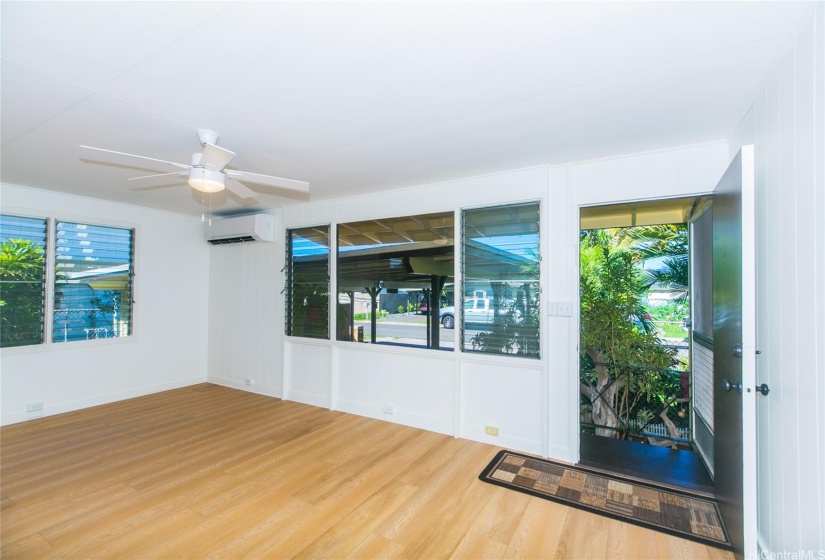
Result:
[{"x": 211, "y": 472}]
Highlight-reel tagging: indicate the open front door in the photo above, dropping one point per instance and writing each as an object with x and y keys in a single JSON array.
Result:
[{"x": 734, "y": 352}]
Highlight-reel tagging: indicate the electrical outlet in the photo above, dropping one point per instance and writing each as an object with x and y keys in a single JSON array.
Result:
[
  {"x": 491, "y": 431},
  {"x": 248, "y": 381},
  {"x": 34, "y": 407},
  {"x": 390, "y": 408}
]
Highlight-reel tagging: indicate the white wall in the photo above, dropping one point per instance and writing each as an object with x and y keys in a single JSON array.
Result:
[
  {"x": 534, "y": 403},
  {"x": 787, "y": 126},
  {"x": 168, "y": 348},
  {"x": 245, "y": 333}
]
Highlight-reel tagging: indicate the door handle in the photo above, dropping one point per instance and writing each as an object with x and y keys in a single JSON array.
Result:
[
  {"x": 764, "y": 389},
  {"x": 728, "y": 386}
]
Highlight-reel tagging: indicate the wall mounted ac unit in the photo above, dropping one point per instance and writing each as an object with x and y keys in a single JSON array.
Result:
[{"x": 240, "y": 229}]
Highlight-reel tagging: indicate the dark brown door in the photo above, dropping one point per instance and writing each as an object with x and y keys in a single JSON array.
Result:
[{"x": 733, "y": 351}]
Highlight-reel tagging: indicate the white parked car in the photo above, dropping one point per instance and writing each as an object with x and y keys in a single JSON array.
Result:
[{"x": 476, "y": 310}]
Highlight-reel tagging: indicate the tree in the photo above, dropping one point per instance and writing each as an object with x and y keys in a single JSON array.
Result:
[
  {"x": 668, "y": 242},
  {"x": 620, "y": 360},
  {"x": 21, "y": 292}
]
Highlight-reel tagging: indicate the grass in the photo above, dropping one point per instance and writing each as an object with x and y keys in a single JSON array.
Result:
[{"x": 670, "y": 329}]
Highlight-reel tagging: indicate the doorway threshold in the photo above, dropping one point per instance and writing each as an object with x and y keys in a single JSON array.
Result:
[{"x": 673, "y": 468}]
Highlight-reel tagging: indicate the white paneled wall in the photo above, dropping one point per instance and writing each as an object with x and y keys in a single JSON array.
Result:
[
  {"x": 533, "y": 403},
  {"x": 421, "y": 384},
  {"x": 787, "y": 126},
  {"x": 308, "y": 372},
  {"x": 168, "y": 348},
  {"x": 420, "y": 387},
  {"x": 517, "y": 409},
  {"x": 245, "y": 337}
]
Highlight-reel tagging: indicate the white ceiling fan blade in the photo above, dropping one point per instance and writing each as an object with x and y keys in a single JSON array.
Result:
[
  {"x": 269, "y": 180},
  {"x": 239, "y": 189},
  {"x": 181, "y": 165},
  {"x": 215, "y": 157},
  {"x": 157, "y": 175}
]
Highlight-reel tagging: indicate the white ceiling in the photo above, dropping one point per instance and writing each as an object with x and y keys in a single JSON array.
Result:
[{"x": 359, "y": 97}]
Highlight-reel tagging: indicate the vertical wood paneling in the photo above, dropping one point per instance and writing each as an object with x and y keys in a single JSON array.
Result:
[
  {"x": 763, "y": 296},
  {"x": 770, "y": 251},
  {"x": 419, "y": 386},
  {"x": 789, "y": 319},
  {"x": 787, "y": 126},
  {"x": 308, "y": 372},
  {"x": 804, "y": 153},
  {"x": 509, "y": 398},
  {"x": 819, "y": 252},
  {"x": 243, "y": 341}
]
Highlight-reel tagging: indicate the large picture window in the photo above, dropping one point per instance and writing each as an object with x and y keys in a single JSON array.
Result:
[
  {"x": 307, "y": 282},
  {"x": 395, "y": 281},
  {"x": 501, "y": 283},
  {"x": 93, "y": 282},
  {"x": 22, "y": 280}
]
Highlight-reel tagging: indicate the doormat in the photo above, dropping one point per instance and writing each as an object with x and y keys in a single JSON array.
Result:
[{"x": 647, "y": 505}]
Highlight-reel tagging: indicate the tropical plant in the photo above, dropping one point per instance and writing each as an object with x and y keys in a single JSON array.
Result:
[
  {"x": 621, "y": 362},
  {"x": 22, "y": 275},
  {"x": 669, "y": 244}
]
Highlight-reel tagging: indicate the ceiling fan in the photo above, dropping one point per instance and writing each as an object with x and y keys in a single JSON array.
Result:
[{"x": 208, "y": 173}]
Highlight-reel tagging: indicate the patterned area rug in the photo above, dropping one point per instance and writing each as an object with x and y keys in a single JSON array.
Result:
[{"x": 646, "y": 505}]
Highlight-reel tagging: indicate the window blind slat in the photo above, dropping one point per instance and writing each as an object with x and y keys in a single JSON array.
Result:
[
  {"x": 93, "y": 282},
  {"x": 500, "y": 257},
  {"x": 307, "y": 282}
]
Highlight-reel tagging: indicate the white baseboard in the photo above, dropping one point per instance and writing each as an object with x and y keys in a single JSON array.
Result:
[
  {"x": 17, "y": 417},
  {"x": 477, "y": 433},
  {"x": 268, "y": 390},
  {"x": 321, "y": 401},
  {"x": 428, "y": 423}
]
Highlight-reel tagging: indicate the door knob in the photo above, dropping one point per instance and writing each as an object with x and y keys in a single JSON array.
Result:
[
  {"x": 764, "y": 389},
  {"x": 728, "y": 386}
]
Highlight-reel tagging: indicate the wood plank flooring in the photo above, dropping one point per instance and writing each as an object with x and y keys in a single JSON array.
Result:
[{"x": 212, "y": 472}]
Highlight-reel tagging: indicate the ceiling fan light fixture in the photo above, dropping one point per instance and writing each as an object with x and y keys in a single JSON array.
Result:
[{"x": 206, "y": 180}]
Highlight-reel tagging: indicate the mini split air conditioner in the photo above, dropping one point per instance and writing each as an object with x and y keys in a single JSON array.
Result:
[{"x": 240, "y": 229}]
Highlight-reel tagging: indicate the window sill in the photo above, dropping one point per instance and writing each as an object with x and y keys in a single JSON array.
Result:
[{"x": 63, "y": 346}]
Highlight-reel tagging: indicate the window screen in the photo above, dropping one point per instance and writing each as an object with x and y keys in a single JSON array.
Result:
[
  {"x": 22, "y": 280},
  {"x": 501, "y": 284},
  {"x": 307, "y": 282},
  {"x": 93, "y": 282}
]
